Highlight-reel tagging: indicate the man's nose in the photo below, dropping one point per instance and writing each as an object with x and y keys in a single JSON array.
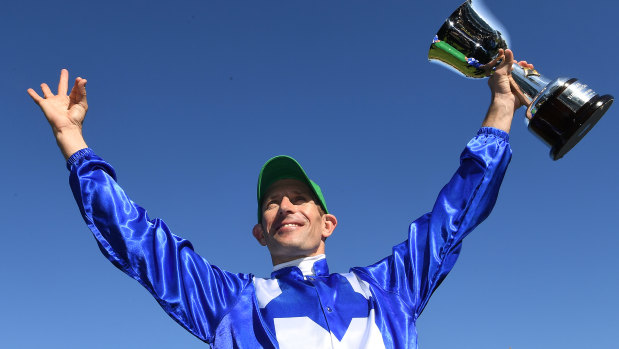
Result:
[{"x": 286, "y": 205}]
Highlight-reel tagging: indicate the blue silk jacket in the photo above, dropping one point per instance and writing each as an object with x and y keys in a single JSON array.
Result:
[{"x": 302, "y": 305}]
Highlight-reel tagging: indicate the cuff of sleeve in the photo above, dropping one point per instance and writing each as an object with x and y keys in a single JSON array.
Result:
[
  {"x": 491, "y": 131},
  {"x": 78, "y": 155}
]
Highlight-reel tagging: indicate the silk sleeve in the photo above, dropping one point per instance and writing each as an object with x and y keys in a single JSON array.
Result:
[
  {"x": 417, "y": 266},
  {"x": 193, "y": 292}
]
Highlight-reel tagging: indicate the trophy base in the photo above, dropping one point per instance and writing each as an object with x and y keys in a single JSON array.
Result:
[{"x": 561, "y": 123}]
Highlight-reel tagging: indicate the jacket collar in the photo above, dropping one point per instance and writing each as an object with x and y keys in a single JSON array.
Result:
[{"x": 302, "y": 267}]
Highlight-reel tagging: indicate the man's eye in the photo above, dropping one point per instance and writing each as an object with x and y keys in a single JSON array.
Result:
[{"x": 300, "y": 199}]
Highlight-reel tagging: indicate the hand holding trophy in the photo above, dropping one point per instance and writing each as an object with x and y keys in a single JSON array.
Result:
[{"x": 559, "y": 111}]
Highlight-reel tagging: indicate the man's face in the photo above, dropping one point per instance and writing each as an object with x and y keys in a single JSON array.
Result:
[{"x": 293, "y": 224}]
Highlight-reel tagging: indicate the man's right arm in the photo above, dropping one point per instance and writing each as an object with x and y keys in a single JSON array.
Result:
[{"x": 193, "y": 292}]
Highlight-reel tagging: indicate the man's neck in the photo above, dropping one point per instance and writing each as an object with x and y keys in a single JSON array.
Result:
[{"x": 305, "y": 264}]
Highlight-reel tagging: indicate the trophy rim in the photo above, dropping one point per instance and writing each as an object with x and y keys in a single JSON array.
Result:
[{"x": 467, "y": 40}]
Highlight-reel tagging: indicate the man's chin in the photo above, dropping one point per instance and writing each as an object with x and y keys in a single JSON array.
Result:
[{"x": 292, "y": 248}]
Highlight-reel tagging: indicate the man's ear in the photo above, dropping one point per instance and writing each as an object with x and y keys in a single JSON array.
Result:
[
  {"x": 258, "y": 233},
  {"x": 330, "y": 222}
]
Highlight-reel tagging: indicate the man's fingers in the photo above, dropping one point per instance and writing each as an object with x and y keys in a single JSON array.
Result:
[
  {"x": 74, "y": 89},
  {"x": 46, "y": 91},
  {"x": 63, "y": 83},
  {"x": 509, "y": 54},
  {"x": 509, "y": 57},
  {"x": 78, "y": 92},
  {"x": 35, "y": 96},
  {"x": 524, "y": 100},
  {"x": 82, "y": 86},
  {"x": 526, "y": 64},
  {"x": 82, "y": 89},
  {"x": 495, "y": 61}
]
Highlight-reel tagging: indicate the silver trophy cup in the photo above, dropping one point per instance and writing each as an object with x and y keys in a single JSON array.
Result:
[{"x": 559, "y": 111}]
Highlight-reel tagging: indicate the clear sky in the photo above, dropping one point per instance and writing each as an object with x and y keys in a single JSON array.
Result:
[{"x": 189, "y": 98}]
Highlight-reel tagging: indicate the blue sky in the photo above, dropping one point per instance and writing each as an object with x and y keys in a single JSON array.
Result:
[{"x": 189, "y": 98}]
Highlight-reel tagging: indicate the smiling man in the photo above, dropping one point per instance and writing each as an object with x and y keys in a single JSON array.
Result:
[
  {"x": 292, "y": 214},
  {"x": 302, "y": 304}
]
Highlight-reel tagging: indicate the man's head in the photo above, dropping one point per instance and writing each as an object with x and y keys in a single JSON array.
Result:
[{"x": 293, "y": 220}]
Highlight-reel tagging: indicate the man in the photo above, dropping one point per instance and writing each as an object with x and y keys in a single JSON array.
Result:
[{"x": 302, "y": 305}]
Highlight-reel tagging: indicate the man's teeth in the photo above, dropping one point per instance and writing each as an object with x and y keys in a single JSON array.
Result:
[{"x": 290, "y": 225}]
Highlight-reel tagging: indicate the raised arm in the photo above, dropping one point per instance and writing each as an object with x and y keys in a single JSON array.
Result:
[
  {"x": 65, "y": 113},
  {"x": 193, "y": 292},
  {"x": 418, "y": 265}
]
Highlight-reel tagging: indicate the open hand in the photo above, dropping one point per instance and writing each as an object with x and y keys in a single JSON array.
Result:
[{"x": 63, "y": 112}]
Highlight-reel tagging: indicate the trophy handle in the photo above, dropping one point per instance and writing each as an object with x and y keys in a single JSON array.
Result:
[{"x": 530, "y": 83}]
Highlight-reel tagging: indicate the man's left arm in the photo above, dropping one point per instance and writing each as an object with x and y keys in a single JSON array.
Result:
[{"x": 418, "y": 265}]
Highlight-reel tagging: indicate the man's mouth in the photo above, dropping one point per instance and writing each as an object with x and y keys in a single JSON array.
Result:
[{"x": 288, "y": 226}]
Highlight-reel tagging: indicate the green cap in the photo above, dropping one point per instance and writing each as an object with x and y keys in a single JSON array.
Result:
[{"x": 284, "y": 167}]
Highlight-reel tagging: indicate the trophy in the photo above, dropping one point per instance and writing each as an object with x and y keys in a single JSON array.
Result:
[{"x": 559, "y": 111}]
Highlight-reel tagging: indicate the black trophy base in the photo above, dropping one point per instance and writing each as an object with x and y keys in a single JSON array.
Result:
[{"x": 557, "y": 124}]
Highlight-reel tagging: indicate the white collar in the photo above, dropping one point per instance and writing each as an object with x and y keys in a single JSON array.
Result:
[{"x": 306, "y": 264}]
